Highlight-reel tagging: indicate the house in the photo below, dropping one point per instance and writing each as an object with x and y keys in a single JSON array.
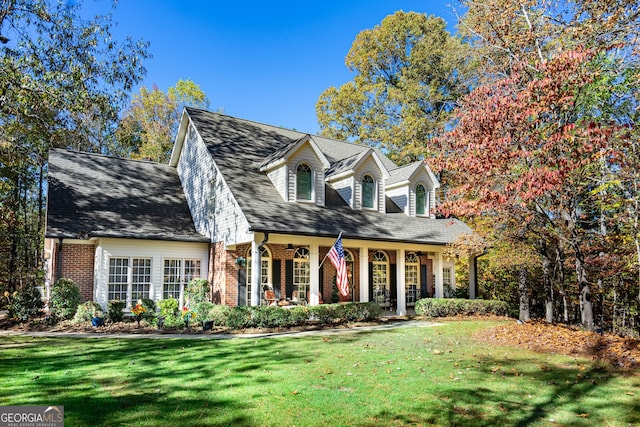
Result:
[{"x": 243, "y": 203}]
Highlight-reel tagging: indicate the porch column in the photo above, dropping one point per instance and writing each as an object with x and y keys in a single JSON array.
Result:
[
  {"x": 473, "y": 272},
  {"x": 437, "y": 272},
  {"x": 364, "y": 274},
  {"x": 256, "y": 273},
  {"x": 314, "y": 286},
  {"x": 401, "y": 279}
]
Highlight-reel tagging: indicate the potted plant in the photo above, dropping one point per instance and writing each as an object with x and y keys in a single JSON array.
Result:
[
  {"x": 241, "y": 262},
  {"x": 98, "y": 318},
  {"x": 138, "y": 310}
]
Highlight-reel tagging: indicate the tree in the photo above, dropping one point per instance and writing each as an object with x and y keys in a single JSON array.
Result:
[
  {"x": 407, "y": 81},
  {"x": 62, "y": 81},
  {"x": 150, "y": 123},
  {"x": 526, "y": 148}
]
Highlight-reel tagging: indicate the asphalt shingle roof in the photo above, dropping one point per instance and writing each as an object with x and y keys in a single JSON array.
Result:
[
  {"x": 98, "y": 196},
  {"x": 239, "y": 147}
]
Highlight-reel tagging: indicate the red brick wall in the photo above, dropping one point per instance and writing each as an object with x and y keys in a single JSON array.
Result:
[{"x": 77, "y": 265}]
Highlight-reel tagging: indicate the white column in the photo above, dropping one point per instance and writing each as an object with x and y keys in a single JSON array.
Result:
[
  {"x": 364, "y": 274},
  {"x": 437, "y": 272},
  {"x": 256, "y": 273},
  {"x": 472, "y": 277},
  {"x": 401, "y": 283},
  {"x": 314, "y": 286}
]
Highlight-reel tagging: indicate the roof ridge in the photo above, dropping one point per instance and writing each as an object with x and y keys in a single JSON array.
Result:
[{"x": 106, "y": 156}]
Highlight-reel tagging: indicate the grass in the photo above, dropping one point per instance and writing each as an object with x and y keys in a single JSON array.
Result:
[{"x": 411, "y": 376}]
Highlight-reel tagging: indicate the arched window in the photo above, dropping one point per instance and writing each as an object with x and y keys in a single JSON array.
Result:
[
  {"x": 421, "y": 200},
  {"x": 301, "y": 273},
  {"x": 368, "y": 192},
  {"x": 411, "y": 278},
  {"x": 265, "y": 270},
  {"x": 348, "y": 258},
  {"x": 304, "y": 182},
  {"x": 380, "y": 267}
]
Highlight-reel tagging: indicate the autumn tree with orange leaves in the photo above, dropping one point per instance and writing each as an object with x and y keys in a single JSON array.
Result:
[{"x": 544, "y": 144}]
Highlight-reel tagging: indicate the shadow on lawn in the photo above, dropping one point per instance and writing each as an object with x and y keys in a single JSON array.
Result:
[
  {"x": 133, "y": 381},
  {"x": 561, "y": 390}
]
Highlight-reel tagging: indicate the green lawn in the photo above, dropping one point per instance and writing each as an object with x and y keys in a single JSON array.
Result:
[{"x": 419, "y": 376}]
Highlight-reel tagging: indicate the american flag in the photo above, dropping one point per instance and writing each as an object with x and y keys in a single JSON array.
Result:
[{"x": 336, "y": 255}]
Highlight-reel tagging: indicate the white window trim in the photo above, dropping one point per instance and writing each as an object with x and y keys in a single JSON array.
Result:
[
  {"x": 182, "y": 277},
  {"x": 129, "y": 283},
  {"x": 375, "y": 193}
]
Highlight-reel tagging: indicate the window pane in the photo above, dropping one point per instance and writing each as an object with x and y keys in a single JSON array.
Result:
[
  {"x": 368, "y": 192},
  {"x": 301, "y": 272},
  {"x": 118, "y": 278},
  {"x": 171, "y": 285},
  {"x": 140, "y": 279},
  {"x": 420, "y": 200},
  {"x": 303, "y": 182}
]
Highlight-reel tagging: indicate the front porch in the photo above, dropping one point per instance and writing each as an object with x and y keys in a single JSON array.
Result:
[{"x": 394, "y": 274}]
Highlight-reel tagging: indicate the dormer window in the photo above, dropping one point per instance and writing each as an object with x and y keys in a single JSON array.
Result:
[
  {"x": 368, "y": 192},
  {"x": 421, "y": 200},
  {"x": 304, "y": 181}
]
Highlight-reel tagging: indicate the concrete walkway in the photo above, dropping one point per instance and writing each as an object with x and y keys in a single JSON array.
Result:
[{"x": 337, "y": 331}]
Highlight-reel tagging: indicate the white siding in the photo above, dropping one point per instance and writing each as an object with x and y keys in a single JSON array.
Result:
[
  {"x": 307, "y": 155},
  {"x": 158, "y": 251},
  {"x": 423, "y": 178},
  {"x": 197, "y": 168},
  {"x": 401, "y": 197},
  {"x": 346, "y": 190},
  {"x": 370, "y": 167},
  {"x": 278, "y": 178}
]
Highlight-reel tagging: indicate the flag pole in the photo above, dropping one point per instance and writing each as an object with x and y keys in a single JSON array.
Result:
[{"x": 325, "y": 257}]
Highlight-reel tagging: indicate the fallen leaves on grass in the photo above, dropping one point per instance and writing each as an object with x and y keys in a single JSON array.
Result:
[{"x": 543, "y": 337}]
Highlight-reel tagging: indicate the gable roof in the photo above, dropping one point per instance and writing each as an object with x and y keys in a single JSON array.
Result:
[
  {"x": 279, "y": 156},
  {"x": 404, "y": 174},
  {"x": 91, "y": 195},
  {"x": 239, "y": 148},
  {"x": 346, "y": 166}
]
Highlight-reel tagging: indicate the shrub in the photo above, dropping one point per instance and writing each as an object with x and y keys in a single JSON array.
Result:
[
  {"x": 173, "y": 321},
  {"x": 239, "y": 317},
  {"x": 115, "y": 310},
  {"x": 432, "y": 307},
  {"x": 298, "y": 315},
  {"x": 168, "y": 307},
  {"x": 26, "y": 303},
  {"x": 86, "y": 311},
  {"x": 197, "y": 291},
  {"x": 65, "y": 298},
  {"x": 324, "y": 314},
  {"x": 150, "y": 309},
  {"x": 202, "y": 310},
  {"x": 218, "y": 314}
]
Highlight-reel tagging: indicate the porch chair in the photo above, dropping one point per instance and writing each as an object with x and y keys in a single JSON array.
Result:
[{"x": 270, "y": 297}]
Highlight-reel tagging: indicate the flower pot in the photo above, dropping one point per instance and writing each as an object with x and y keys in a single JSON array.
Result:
[
  {"x": 207, "y": 325},
  {"x": 97, "y": 321}
]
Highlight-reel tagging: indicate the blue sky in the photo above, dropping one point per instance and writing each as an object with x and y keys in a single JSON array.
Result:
[{"x": 266, "y": 61}]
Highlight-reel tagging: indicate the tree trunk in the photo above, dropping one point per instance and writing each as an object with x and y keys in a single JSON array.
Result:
[
  {"x": 523, "y": 292},
  {"x": 586, "y": 306},
  {"x": 548, "y": 289},
  {"x": 561, "y": 278}
]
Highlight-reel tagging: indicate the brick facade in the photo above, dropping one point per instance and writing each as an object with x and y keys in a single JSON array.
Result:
[{"x": 77, "y": 265}]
